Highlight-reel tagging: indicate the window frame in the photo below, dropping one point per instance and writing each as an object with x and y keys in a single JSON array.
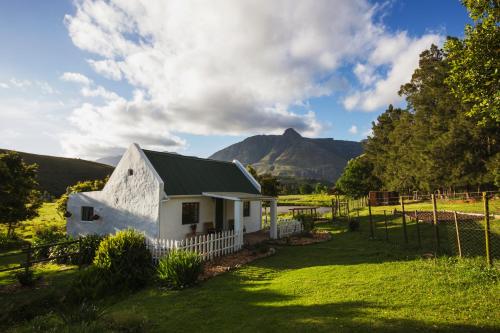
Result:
[
  {"x": 196, "y": 214},
  {"x": 246, "y": 208},
  {"x": 85, "y": 216}
]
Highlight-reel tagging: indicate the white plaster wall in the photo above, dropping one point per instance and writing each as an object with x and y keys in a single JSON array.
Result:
[
  {"x": 171, "y": 226},
  {"x": 125, "y": 202},
  {"x": 252, "y": 222}
]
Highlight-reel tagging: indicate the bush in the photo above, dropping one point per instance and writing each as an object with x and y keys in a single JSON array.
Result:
[
  {"x": 126, "y": 259},
  {"x": 46, "y": 235},
  {"x": 90, "y": 284},
  {"x": 353, "y": 225},
  {"x": 179, "y": 269},
  {"x": 307, "y": 222},
  {"x": 89, "y": 246},
  {"x": 26, "y": 277},
  {"x": 63, "y": 251}
]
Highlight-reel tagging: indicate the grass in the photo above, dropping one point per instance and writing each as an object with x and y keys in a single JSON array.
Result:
[
  {"x": 348, "y": 284},
  {"x": 25, "y": 231},
  {"x": 305, "y": 200}
]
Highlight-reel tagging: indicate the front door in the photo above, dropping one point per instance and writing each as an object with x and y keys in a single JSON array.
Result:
[{"x": 219, "y": 214}]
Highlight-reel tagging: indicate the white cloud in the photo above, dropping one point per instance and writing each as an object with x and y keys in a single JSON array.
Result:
[
  {"x": 400, "y": 54},
  {"x": 98, "y": 91},
  {"x": 20, "y": 83},
  {"x": 76, "y": 77},
  {"x": 229, "y": 67},
  {"x": 4, "y": 85},
  {"x": 107, "y": 68},
  {"x": 353, "y": 129}
]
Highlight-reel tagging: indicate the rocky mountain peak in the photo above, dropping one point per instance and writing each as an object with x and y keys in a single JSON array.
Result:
[{"x": 291, "y": 133}]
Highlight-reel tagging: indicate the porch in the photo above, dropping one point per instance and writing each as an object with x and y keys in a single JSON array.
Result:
[{"x": 237, "y": 222}]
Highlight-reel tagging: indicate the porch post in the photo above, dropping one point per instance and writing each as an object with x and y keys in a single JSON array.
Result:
[
  {"x": 238, "y": 216},
  {"x": 273, "y": 231}
]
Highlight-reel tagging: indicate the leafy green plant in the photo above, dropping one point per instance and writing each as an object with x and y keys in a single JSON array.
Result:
[
  {"x": 89, "y": 246},
  {"x": 90, "y": 284},
  {"x": 26, "y": 278},
  {"x": 65, "y": 253},
  {"x": 125, "y": 257},
  {"x": 179, "y": 269},
  {"x": 307, "y": 222},
  {"x": 46, "y": 235}
]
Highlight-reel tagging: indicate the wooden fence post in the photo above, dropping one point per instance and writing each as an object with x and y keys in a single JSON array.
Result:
[
  {"x": 386, "y": 230},
  {"x": 487, "y": 229},
  {"x": 333, "y": 212},
  {"x": 418, "y": 230},
  {"x": 435, "y": 221},
  {"x": 405, "y": 233},
  {"x": 372, "y": 232},
  {"x": 458, "y": 234}
]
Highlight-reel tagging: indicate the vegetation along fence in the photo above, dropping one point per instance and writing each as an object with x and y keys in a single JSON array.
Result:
[
  {"x": 25, "y": 258},
  {"x": 289, "y": 227},
  {"x": 208, "y": 246},
  {"x": 464, "y": 227}
]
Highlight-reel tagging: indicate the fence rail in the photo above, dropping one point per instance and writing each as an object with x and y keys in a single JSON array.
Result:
[
  {"x": 208, "y": 246},
  {"x": 440, "y": 231},
  {"x": 31, "y": 259},
  {"x": 289, "y": 227}
]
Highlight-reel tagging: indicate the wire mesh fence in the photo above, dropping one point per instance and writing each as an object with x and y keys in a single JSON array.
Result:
[{"x": 465, "y": 225}]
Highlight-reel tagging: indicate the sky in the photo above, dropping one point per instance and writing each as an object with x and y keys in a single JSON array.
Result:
[{"x": 86, "y": 78}]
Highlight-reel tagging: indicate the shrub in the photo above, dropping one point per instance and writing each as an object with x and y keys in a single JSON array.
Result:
[
  {"x": 89, "y": 246},
  {"x": 307, "y": 222},
  {"x": 353, "y": 225},
  {"x": 90, "y": 284},
  {"x": 125, "y": 257},
  {"x": 62, "y": 252},
  {"x": 46, "y": 235},
  {"x": 179, "y": 269},
  {"x": 26, "y": 277}
]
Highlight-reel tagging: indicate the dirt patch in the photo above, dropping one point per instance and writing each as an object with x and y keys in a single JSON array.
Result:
[
  {"x": 443, "y": 216},
  {"x": 232, "y": 261},
  {"x": 313, "y": 238}
]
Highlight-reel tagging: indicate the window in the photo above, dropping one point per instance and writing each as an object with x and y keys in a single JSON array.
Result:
[
  {"x": 190, "y": 212},
  {"x": 87, "y": 213},
  {"x": 246, "y": 208},
  {"x": 130, "y": 172}
]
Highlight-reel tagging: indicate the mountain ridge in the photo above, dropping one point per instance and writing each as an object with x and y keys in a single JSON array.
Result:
[{"x": 292, "y": 155}]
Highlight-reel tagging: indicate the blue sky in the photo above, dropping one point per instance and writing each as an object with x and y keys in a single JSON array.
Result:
[{"x": 170, "y": 91}]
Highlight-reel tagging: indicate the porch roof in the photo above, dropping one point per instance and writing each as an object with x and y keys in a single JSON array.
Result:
[{"x": 238, "y": 196}]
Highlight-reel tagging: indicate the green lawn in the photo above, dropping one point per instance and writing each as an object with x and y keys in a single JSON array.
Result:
[
  {"x": 305, "y": 200},
  {"x": 348, "y": 284}
]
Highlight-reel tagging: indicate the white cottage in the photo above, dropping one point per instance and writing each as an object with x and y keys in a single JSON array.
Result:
[{"x": 171, "y": 196}]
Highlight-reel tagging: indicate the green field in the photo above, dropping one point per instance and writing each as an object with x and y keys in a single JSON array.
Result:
[
  {"x": 348, "y": 284},
  {"x": 305, "y": 200}
]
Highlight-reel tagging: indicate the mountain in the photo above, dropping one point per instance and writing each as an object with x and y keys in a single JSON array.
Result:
[
  {"x": 57, "y": 173},
  {"x": 291, "y": 155},
  {"x": 110, "y": 160}
]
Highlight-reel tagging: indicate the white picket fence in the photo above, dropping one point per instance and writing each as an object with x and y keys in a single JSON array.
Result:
[
  {"x": 208, "y": 246},
  {"x": 289, "y": 227}
]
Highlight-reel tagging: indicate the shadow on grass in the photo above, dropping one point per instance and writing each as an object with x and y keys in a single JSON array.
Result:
[{"x": 236, "y": 307}]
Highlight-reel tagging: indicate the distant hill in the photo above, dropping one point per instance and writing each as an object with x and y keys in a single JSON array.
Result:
[
  {"x": 110, "y": 160},
  {"x": 291, "y": 155},
  {"x": 57, "y": 173}
]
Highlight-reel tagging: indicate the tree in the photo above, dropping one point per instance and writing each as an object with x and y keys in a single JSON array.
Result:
[
  {"x": 269, "y": 185},
  {"x": 474, "y": 75},
  {"x": 305, "y": 188},
  {"x": 19, "y": 197},
  {"x": 358, "y": 179},
  {"x": 84, "y": 186},
  {"x": 320, "y": 188}
]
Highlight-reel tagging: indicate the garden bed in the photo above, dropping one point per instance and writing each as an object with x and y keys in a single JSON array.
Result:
[
  {"x": 232, "y": 261},
  {"x": 314, "y": 237},
  {"x": 444, "y": 216}
]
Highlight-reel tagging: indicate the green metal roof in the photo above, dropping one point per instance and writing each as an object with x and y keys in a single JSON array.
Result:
[{"x": 186, "y": 175}]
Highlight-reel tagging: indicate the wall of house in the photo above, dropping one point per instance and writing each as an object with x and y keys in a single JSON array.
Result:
[
  {"x": 171, "y": 226},
  {"x": 253, "y": 222},
  {"x": 127, "y": 201}
]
